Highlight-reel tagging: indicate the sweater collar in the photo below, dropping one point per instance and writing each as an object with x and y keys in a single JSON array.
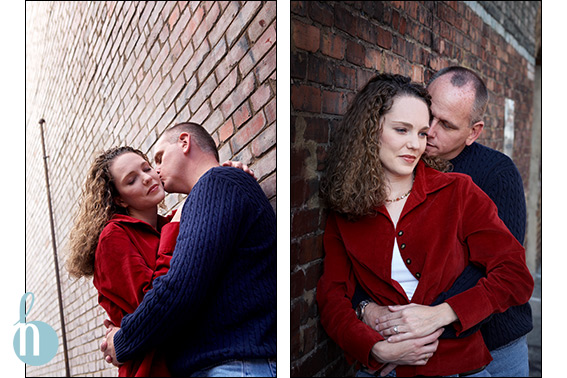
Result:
[{"x": 464, "y": 155}]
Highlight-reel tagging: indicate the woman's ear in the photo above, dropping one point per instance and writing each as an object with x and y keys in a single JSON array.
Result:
[{"x": 120, "y": 202}]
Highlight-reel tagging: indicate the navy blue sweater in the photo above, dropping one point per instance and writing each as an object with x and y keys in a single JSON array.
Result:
[
  {"x": 497, "y": 176},
  {"x": 218, "y": 300}
]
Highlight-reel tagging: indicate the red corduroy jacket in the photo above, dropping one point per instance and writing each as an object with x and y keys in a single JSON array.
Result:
[
  {"x": 447, "y": 223},
  {"x": 129, "y": 256}
]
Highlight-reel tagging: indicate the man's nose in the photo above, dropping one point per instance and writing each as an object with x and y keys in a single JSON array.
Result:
[{"x": 432, "y": 132}]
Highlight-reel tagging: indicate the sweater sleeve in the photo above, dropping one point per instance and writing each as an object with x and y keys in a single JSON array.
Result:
[
  {"x": 334, "y": 292},
  {"x": 209, "y": 226},
  {"x": 506, "y": 190},
  {"x": 508, "y": 281}
]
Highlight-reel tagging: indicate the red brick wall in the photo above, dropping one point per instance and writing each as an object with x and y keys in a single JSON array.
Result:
[
  {"x": 113, "y": 73},
  {"x": 335, "y": 48}
]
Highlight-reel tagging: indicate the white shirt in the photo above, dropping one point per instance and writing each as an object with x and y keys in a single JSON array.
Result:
[{"x": 401, "y": 273}]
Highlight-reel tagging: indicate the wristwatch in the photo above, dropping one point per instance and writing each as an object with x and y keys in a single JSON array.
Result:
[{"x": 360, "y": 308}]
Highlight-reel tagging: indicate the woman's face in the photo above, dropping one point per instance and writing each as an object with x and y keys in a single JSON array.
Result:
[
  {"x": 137, "y": 183},
  {"x": 404, "y": 136}
]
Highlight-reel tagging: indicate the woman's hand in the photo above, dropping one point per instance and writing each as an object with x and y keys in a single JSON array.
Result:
[
  {"x": 410, "y": 352},
  {"x": 414, "y": 321},
  {"x": 239, "y": 165}
]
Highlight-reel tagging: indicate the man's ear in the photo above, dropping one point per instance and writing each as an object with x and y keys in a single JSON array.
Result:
[
  {"x": 185, "y": 141},
  {"x": 476, "y": 129}
]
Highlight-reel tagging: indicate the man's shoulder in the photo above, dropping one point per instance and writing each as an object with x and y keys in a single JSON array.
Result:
[
  {"x": 227, "y": 175},
  {"x": 490, "y": 154},
  {"x": 230, "y": 180}
]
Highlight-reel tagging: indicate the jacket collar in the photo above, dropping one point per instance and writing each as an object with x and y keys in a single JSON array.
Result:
[
  {"x": 126, "y": 219},
  {"x": 427, "y": 181}
]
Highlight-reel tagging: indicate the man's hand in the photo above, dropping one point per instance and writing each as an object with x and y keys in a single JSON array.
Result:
[
  {"x": 107, "y": 346},
  {"x": 372, "y": 312},
  {"x": 239, "y": 165}
]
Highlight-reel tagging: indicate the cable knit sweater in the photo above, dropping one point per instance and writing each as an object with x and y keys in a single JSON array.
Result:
[
  {"x": 218, "y": 300},
  {"x": 497, "y": 176}
]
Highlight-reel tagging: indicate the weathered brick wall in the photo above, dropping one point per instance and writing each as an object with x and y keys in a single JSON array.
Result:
[
  {"x": 104, "y": 74},
  {"x": 335, "y": 48}
]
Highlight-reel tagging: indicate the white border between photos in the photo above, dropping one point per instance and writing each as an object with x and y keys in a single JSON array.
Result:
[{"x": 283, "y": 185}]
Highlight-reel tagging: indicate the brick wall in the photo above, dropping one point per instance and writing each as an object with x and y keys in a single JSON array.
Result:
[
  {"x": 104, "y": 74},
  {"x": 335, "y": 48}
]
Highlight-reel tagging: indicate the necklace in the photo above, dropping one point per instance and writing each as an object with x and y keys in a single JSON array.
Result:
[
  {"x": 399, "y": 198},
  {"x": 402, "y": 196}
]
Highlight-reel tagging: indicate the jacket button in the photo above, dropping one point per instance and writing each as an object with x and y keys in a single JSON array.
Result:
[
  {"x": 400, "y": 233},
  {"x": 418, "y": 275},
  {"x": 408, "y": 261},
  {"x": 403, "y": 246}
]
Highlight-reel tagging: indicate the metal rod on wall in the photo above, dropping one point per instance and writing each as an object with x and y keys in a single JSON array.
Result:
[{"x": 59, "y": 296}]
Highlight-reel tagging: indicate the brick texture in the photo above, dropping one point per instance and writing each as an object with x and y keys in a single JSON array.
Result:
[
  {"x": 336, "y": 47},
  {"x": 104, "y": 74}
]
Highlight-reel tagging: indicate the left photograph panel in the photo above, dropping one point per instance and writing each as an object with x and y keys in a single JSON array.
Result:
[{"x": 150, "y": 149}]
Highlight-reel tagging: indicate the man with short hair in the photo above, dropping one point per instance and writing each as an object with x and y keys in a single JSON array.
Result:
[
  {"x": 214, "y": 312},
  {"x": 458, "y": 102}
]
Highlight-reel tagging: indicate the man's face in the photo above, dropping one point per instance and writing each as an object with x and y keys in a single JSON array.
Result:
[
  {"x": 168, "y": 163},
  {"x": 450, "y": 128}
]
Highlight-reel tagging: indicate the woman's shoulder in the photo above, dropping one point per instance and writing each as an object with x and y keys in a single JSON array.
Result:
[{"x": 435, "y": 179}]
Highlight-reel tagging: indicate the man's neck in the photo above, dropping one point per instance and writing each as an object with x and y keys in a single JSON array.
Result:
[{"x": 199, "y": 169}]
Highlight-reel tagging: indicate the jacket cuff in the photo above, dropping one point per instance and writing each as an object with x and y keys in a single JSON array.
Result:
[
  {"x": 471, "y": 308},
  {"x": 360, "y": 347}
]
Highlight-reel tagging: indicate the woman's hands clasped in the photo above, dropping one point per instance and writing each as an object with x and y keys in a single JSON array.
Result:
[
  {"x": 410, "y": 352},
  {"x": 411, "y": 332},
  {"x": 413, "y": 321}
]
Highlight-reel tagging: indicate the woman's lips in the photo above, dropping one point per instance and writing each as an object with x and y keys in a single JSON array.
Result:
[
  {"x": 153, "y": 188},
  {"x": 409, "y": 158}
]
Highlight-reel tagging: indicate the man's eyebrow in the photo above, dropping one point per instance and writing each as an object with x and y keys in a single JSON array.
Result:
[{"x": 157, "y": 156}]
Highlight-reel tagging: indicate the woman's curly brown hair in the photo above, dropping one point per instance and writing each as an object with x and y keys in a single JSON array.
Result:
[
  {"x": 96, "y": 208},
  {"x": 354, "y": 184}
]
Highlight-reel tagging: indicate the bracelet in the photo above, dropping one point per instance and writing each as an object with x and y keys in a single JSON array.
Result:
[{"x": 360, "y": 308}]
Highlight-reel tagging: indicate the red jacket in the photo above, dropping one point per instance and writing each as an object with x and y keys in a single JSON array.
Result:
[
  {"x": 129, "y": 256},
  {"x": 446, "y": 223}
]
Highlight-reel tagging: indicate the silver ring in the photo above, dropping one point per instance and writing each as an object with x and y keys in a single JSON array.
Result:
[{"x": 396, "y": 329}]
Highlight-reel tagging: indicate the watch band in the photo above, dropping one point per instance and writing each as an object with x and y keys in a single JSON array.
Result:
[{"x": 360, "y": 308}]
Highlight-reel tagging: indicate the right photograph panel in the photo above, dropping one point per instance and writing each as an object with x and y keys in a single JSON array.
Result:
[{"x": 415, "y": 188}]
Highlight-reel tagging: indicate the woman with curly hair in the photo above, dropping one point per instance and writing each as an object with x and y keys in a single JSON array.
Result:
[
  {"x": 121, "y": 241},
  {"x": 404, "y": 232},
  {"x": 116, "y": 239}
]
